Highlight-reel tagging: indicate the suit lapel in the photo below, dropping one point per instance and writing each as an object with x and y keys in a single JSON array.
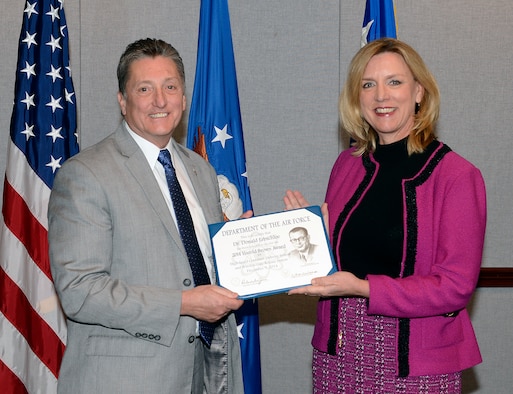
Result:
[
  {"x": 199, "y": 182},
  {"x": 138, "y": 167}
]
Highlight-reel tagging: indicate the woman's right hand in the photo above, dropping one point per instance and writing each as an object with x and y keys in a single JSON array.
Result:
[{"x": 294, "y": 199}]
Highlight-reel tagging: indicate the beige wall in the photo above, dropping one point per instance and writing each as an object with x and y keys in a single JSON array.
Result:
[{"x": 291, "y": 60}]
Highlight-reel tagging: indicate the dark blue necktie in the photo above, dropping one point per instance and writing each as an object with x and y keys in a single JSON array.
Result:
[{"x": 188, "y": 235}]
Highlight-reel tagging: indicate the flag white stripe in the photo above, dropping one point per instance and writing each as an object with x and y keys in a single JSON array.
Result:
[
  {"x": 36, "y": 286},
  {"x": 20, "y": 359},
  {"x": 29, "y": 186}
]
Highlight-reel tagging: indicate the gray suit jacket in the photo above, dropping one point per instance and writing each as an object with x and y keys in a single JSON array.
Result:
[{"x": 119, "y": 268}]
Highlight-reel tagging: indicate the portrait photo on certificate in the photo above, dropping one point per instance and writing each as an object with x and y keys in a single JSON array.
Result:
[{"x": 273, "y": 253}]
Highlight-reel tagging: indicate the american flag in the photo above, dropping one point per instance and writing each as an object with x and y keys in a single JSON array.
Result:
[
  {"x": 42, "y": 136},
  {"x": 215, "y": 132}
]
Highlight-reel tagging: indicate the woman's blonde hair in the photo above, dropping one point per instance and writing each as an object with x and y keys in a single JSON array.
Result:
[{"x": 426, "y": 113}]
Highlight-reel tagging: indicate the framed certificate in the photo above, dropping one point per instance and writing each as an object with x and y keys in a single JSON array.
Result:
[{"x": 271, "y": 253}]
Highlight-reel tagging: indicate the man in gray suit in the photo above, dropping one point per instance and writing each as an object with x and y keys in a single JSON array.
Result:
[{"x": 118, "y": 262}]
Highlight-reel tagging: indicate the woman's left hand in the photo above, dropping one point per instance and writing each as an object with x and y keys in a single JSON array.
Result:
[{"x": 341, "y": 284}]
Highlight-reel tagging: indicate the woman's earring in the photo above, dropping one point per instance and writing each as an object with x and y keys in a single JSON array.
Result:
[{"x": 417, "y": 108}]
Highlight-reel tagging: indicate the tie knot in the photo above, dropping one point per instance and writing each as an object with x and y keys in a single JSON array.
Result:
[{"x": 165, "y": 158}]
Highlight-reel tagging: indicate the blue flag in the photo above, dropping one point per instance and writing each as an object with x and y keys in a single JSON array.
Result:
[
  {"x": 378, "y": 20},
  {"x": 42, "y": 136},
  {"x": 215, "y": 132}
]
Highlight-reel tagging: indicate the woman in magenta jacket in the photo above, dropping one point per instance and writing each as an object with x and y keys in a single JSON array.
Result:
[{"x": 406, "y": 220}]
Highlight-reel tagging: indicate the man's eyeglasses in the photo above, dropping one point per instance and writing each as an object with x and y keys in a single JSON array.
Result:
[{"x": 298, "y": 239}]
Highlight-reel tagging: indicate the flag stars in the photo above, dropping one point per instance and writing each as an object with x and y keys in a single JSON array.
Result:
[
  {"x": 28, "y": 101},
  {"x": 30, "y": 39},
  {"x": 31, "y": 9},
  {"x": 29, "y": 131},
  {"x": 55, "y": 133},
  {"x": 365, "y": 33},
  {"x": 69, "y": 96},
  {"x": 222, "y": 135},
  {"x": 44, "y": 105},
  {"x": 239, "y": 330},
  {"x": 54, "y": 43},
  {"x": 54, "y": 103},
  {"x": 29, "y": 69},
  {"x": 54, "y": 163},
  {"x": 55, "y": 73},
  {"x": 54, "y": 13}
]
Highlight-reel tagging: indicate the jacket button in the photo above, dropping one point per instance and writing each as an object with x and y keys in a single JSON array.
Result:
[
  {"x": 187, "y": 282},
  {"x": 191, "y": 339}
]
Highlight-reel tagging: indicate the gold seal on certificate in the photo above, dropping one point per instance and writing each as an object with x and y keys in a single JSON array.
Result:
[{"x": 272, "y": 253}]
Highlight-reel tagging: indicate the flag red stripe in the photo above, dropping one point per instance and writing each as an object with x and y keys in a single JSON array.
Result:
[
  {"x": 26, "y": 228},
  {"x": 41, "y": 338},
  {"x": 10, "y": 382}
]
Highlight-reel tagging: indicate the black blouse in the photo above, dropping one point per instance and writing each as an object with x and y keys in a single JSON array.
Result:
[{"x": 372, "y": 240}]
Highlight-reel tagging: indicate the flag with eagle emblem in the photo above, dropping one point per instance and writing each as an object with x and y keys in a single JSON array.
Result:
[
  {"x": 215, "y": 132},
  {"x": 378, "y": 21}
]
